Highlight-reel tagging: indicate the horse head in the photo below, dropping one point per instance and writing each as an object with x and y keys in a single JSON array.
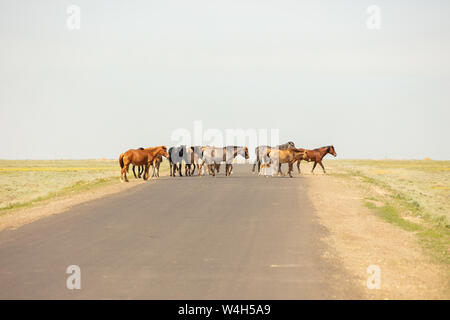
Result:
[
  {"x": 331, "y": 150},
  {"x": 163, "y": 151}
]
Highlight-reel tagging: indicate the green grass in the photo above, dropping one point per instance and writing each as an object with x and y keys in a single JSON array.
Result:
[
  {"x": 24, "y": 183},
  {"x": 409, "y": 197}
]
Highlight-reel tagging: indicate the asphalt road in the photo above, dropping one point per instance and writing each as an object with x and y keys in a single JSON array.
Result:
[{"x": 243, "y": 237}]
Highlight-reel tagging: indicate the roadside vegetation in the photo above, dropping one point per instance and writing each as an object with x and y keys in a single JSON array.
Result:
[
  {"x": 24, "y": 183},
  {"x": 413, "y": 195}
]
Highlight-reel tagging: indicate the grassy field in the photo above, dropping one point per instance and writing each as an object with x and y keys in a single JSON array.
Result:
[
  {"x": 26, "y": 182},
  {"x": 414, "y": 195}
]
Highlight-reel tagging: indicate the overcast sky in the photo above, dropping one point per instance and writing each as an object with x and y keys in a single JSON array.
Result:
[{"x": 136, "y": 71}]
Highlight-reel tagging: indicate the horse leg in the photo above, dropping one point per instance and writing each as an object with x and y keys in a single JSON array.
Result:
[
  {"x": 211, "y": 170},
  {"x": 323, "y": 168},
  {"x": 298, "y": 166},
  {"x": 134, "y": 173},
  {"x": 179, "y": 170},
  {"x": 153, "y": 170},
  {"x": 290, "y": 169},
  {"x": 147, "y": 166},
  {"x": 275, "y": 166},
  {"x": 315, "y": 163},
  {"x": 124, "y": 171},
  {"x": 279, "y": 170}
]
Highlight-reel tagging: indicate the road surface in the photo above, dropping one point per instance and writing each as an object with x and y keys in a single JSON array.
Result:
[{"x": 243, "y": 237}]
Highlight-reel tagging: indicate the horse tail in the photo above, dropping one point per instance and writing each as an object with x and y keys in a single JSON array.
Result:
[{"x": 121, "y": 160}]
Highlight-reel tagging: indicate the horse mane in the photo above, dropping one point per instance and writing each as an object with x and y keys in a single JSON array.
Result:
[{"x": 318, "y": 149}]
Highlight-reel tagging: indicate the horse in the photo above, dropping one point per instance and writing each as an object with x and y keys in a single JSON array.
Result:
[
  {"x": 288, "y": 156},
  {"x": 176, "y": 156},
  {"x": 140, "y": 158},
  {"x": 194, "y": 156},
  {"x": 155, "y": 167},
  {"x": 317, "y": 155},
  {"x": 262, "y": 154},
  {"x": 140, "y": 168},
  {"x": 155, "y": 164},
  {"x": 189, "y": 160},
  {"x": 231, "y": 152},
  {"x": 211, "y": 156}
]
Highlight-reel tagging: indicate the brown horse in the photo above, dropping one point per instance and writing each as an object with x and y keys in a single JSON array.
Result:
[
  {"x": 262, "y": 154},
  {"x": 140, "y": 158},
  {"x": 155, "y": 168},
  {"x": 317, "y": 155},
  {"x": 288, "y": 156},
  {"x": 156, "y": 164}
]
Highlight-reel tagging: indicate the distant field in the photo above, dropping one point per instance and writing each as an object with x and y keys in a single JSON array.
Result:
[{"x": 24, "y": 182}]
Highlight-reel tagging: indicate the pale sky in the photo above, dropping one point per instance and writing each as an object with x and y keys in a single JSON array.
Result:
[{"x": 136, "y": 71}]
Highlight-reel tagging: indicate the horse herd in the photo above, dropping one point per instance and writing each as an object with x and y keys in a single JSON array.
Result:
[{"x": 207, "y": 159}]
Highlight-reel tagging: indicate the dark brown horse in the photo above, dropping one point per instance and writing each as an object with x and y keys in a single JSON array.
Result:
[
  {"x": 140, "y": 158},
  {"x": 317, "y": 155}
]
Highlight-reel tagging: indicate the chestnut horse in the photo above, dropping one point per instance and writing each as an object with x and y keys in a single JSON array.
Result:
[
  {"x": 140, "y": 158},
  {"x": 155, "y": 167},
  {"x": 262, "y": 154},
  {"x": 317, "y": 155},
  {"x": 288, "y": 156}
]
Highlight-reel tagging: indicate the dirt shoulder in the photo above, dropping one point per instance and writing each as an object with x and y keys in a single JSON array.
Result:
[
  {"x": 18, "y": 217},
  {"x": 357, "y": 239}
]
